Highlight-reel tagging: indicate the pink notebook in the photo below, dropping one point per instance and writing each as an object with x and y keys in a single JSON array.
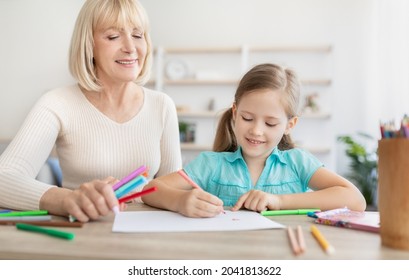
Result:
[{"x": 343, "y": 217}]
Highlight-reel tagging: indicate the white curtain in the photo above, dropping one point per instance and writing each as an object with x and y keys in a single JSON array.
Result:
[{"x": 388, "y": 97}]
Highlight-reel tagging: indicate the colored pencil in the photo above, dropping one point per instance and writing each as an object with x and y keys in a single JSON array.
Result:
[
  {"x": 301, "y": 240},
  {"x": 293, "y": 241}
]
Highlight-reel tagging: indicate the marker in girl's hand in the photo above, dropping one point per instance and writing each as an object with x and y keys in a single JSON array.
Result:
[{"x": 190, "y": 181}]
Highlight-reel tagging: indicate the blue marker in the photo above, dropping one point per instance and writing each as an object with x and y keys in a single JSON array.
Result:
[{"x": 125, "y": 189}]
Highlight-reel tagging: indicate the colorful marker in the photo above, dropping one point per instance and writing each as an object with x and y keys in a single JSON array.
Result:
[
  {"x": 134, "y": 183},
  {"x": 51, "y": 232},
  {"x": 288, "y": 212},
  {"x": 129, "y": 177},
  {"x": 190, "y": 181},
  {"x": 24, "y": 213},
  {"x": 135, "y": 195}
]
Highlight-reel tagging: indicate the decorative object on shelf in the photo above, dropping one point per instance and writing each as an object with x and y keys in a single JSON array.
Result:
[
  {"x": 363, "y": 166},
  {"x": 310, "y": 104},
  {"x": 176, "y": 69},
  {"x": 187, "y": 132},
  {"x": 182, "y": 108},
  {"x": 211, "y": 105}
]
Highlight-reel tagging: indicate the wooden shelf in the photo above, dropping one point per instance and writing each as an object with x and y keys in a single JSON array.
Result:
[
  {"x": 316, "y": 82},
  {"x": 203, "y": 50},
  {"x": 291, "y": 48},
  {"x": 188, "y": 82},
  {"x": 195, "y": 147},
  {"x": 236, "y": 49},
  {"x": 5, "y": 140},
  {"x": 316, "y": 150},
  {"x": 214, "y": 114},
  {"x": 315, "y": 115},
  {"x": 199, "y": 114}
]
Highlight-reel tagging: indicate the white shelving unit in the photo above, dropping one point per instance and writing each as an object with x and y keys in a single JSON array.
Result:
[{"x": 197, "y": 77}]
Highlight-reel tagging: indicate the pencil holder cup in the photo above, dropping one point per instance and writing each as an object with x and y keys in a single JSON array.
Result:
[{"x": 393, "y": 192}]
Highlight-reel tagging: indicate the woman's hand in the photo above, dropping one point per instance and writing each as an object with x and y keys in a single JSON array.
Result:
[
  {"x": 256, "y": 200},
  {"x": 197, "y": 203},
  {"x": 92, "y": 200}
]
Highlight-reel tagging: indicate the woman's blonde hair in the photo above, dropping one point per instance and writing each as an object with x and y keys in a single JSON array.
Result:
[
  {"x": 97, "y": 13},
  {"x": 262, "y": 76}
]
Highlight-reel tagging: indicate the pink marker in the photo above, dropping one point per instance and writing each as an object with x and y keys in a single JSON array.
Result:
[
  {"x": 128, "y": 178},
  {"x": 190, "y": 181}
]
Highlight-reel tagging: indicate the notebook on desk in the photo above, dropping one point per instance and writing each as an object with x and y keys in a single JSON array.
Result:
[{"x": 343, "y": 217}]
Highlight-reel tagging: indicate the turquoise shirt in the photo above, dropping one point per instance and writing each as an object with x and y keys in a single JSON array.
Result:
[{"x": 225, "y": 174}]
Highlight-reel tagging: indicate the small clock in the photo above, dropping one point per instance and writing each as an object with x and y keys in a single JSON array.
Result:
[{"x": 176, "y": 69}]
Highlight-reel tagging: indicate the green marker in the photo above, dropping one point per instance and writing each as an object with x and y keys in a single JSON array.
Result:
[
  {"x": 288, "y": 212},
  {"x": 24, "y": 213},
  {"x": 52, "y": 232}
]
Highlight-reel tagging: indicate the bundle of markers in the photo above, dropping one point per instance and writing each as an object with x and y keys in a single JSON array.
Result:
[
  {"x": 134, "y": 180},
  {"x": 127, "y": 184},
  {"x": 35, "y": 220},
  {"x": 389, "y": 130}
]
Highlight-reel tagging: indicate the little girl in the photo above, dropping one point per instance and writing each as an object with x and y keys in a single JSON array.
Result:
[{"x": 254, "y": 164}]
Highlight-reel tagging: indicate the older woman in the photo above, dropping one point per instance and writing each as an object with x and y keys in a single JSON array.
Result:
[{"x": 103, "y": 127}]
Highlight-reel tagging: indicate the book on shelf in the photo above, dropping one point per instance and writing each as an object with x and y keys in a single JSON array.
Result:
[{"x": 343, "y": 217}]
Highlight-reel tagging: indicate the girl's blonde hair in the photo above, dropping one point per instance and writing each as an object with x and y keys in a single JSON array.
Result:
[
  {"x": 97, "y": 13},
  {"x": 262, "y": 76}
]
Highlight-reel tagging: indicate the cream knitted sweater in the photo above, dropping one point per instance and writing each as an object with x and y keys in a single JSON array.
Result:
[{"x": 89, "y": 144}]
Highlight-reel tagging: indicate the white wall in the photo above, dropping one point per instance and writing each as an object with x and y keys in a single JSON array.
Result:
[{"x": 35, "y": 37}]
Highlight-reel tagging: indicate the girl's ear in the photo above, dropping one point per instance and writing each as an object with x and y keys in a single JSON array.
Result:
[
  {"x": 291, "y": 124},
  {"x": 234, "y": 111}
]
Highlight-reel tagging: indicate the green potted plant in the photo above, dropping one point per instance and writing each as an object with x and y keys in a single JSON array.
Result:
[
  {"x": 183, "y": 126},
  {"x": 363, "y": 166}
]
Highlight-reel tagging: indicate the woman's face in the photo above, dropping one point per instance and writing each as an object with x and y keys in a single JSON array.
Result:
[{"x": 119, "y": 54}]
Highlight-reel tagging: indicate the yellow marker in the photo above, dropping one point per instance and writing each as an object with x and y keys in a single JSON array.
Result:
[{"x": 321, "y": 240}]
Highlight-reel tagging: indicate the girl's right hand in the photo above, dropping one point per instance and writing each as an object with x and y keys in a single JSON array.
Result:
[{"x": 197, "y": 203}]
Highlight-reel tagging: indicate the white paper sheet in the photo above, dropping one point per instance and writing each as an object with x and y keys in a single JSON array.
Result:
[{"x": 166, "y": 221}]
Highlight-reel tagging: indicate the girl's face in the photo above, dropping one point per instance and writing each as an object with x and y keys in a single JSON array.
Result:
[
  {"x": 260, "y": 122},
  {"x": 119, "y": 54}
]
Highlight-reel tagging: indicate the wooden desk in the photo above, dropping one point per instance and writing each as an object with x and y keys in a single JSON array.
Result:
[{"x": 95, "y": 240}]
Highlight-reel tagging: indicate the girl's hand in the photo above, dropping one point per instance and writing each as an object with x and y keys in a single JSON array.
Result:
[
  {"x": 197, "y": 203},
  {"x": 92, "y": 200},
  {"x": 256, "y": 200}
]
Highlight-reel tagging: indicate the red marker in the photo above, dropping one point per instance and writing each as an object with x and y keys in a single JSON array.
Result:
[{"x": 135, "y": 195}]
